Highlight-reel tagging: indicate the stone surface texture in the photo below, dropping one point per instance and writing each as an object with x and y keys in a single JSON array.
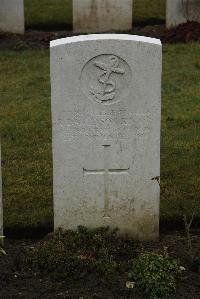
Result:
[
  {"x": 1, "y": 201},
  {"x": 106, "y": 110},
  {"x": 12, "y": 16},
  {"x": 181, "y": 11},
  {"x": 102, "y": 15}
]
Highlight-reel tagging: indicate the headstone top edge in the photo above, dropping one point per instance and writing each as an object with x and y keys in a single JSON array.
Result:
[{"x": 110, "y": 36}]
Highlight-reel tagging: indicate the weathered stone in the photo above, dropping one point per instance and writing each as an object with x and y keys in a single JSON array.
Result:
[
  {"x": 12, "y": 16},
  {"x": 1, "y": 202},
  {"x": 106, "y": 98},
  {"x": 181, "y": 11},
  {"x": 102, "y": 15}
]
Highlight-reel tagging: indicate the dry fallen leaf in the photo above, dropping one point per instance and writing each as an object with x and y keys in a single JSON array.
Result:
[{"x": 130, "y": 284}]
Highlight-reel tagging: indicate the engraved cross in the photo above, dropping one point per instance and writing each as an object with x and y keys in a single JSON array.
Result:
[{"x": 106, "y": 171}]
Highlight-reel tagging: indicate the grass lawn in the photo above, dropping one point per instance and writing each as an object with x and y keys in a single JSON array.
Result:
[
  {"x": 180, "y": 147},
  {"x": 51, "y": 14},
  {"x": 25, "y": 126},
  {"x": 48, "y": 14}
]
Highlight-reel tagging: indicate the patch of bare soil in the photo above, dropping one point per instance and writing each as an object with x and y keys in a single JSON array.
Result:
[
  {"x": 187, "y": 32},
  {"x": 18, "y": 281}
]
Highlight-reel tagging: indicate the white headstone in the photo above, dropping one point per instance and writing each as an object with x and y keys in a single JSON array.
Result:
[
  {"x": 181, "y": 11},
  {"x": 12, "y": 16},
  {"x": 102, "y": 15},
  {"x": 1, "y": 202},
  {"x": 106, "y": 98}
]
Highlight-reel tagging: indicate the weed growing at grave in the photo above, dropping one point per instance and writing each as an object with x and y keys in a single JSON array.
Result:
[
  {"x": 155, "y": 274},
  {"x": 78, "y": 253}
]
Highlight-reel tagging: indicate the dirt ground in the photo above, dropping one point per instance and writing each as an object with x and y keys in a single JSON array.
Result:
[
  {"x": 18, "y": 281},
  {"x": 40, "y": 39}
]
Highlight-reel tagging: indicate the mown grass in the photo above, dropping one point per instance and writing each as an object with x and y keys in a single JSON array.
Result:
[
  {"x": 25, "y": 126},
  {"x": 51, "y": 14},
  {"x": 145, "y": 11},
  {"x": 48, "y": 14},
  {"x": 26, "y": 132},
  {"x": 180, "y": 151}
]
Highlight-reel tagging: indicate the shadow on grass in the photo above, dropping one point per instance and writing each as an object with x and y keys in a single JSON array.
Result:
[
  {"x": 69, "y": 27},
  {"x": 50, "y": 27},
  {"x": 148, "y": 22},
  {"x": 38, "y": 232},
  {"x": 28, "y": 232}
]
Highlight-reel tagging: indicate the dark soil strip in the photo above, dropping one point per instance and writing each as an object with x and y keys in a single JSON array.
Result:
[
  {"x": 40, "y": 39},
  {"x": 18, "y": 281}
]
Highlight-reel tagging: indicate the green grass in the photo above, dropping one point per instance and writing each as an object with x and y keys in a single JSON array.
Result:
[
  {"x": 26, "y": 132},
  {"x": 180, "y": 151},
  {"x": 51, "y": 14},
  {"x": 146, "y": 10},
  {"x": 25, "y": 126}
]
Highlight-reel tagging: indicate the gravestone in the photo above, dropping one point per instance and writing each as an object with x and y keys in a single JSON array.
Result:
[
  {"x": 106, "y": 98},
  {"x": 181, "y": 11},
  {"x": 12, "y": 16},
  {"x": 1, "y": 202},
  {"x": 102, "y": 15}
]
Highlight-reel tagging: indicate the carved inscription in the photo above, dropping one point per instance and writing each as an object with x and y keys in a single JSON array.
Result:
[
  {"x": 106, "y": 79},
  {"x": 107, "y": 124},
  {"x": 106, "y": 172}
]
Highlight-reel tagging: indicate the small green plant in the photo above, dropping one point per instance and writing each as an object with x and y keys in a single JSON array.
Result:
[{"x": 155, "y": 274}]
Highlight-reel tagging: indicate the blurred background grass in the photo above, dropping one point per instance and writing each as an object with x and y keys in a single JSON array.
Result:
[{"x": 51, "y": 14}]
